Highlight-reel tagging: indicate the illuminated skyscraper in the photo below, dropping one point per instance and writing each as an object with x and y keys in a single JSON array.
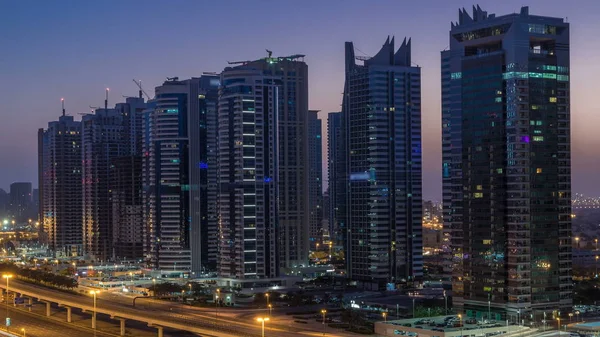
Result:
[
  {"x": 506, "y": 164},
  {"x": 315, "y": 154},
  {"x": 263, "y": 167},
  {"x": 381, "y": 117},
  {"x": 179, "y": 176},
  {"x": 60, "y": 186}
]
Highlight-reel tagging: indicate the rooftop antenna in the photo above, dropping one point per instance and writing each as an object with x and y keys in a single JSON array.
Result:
[
  {"x": 106, "y": 100},
  {"x": 62, "y": 100},
  {"x": 269, "y": 53}
]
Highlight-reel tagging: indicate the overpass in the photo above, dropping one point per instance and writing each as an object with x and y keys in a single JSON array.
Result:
[{"x": 122, "y": 313}]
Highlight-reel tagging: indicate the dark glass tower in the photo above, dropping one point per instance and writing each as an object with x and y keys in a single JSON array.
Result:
[
  {"x": 506, "y": 164},
  {"x": 179, "y": 175},
  {"x": 382, "y": 126},
  {"x": 60, "y": 183},
  {"x": 315, "y": 154},
  {"x": 337, "y": 178}
]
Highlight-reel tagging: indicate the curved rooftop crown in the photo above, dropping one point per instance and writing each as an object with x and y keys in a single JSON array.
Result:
[{"x": 385, "y": 56}]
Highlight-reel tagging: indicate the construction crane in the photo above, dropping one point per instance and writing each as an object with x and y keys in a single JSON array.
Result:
[{"x": 139, "y": 84}]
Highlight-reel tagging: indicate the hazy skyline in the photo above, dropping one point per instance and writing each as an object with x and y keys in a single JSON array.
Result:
[{"x": 75, "y": 49}]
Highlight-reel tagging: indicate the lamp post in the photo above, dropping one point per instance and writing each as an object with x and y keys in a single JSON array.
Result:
[
  {"x": 94, "y": 293},
  {"x": 570, "y": 317},
  {"x": 596, "y": 275},
  {"x": 270, "y": 310},
  {"x": 267, "y": 296},
  {"x": 461, "y": 324},
  {"x": 445, "y": 303},
  {"x": 544, "y": 321},
  {"x": 217, "y": 304},
  {"x": 577, "y": 316},
  {"x": 154, "y": 286},
  {"x": 596, "y": 241},
  {"x": 413, "y": 308},
  {"x": 7, "y": 277},
  {"x": 323, "y": 312},
  {"x": 577, "y": 241},
  {"x": 558, "y": 318},
  {"x": 23, "y": 330},
  {"x": 262, "y": 320},
  {"x": 489, "y": 307},
  {"x": 384, "y": 314}
]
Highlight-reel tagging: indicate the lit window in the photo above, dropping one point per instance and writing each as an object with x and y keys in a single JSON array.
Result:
[
  {"x": 552, "y": 99},
  {"x": 498, "y": 99},
  {"x": 487, "y": 242},
  {"x": 477, "y": 195},
  {"x": 538, "y": 138},
  {"x": 479, "y": 187},
  {"x": 499, "y": 171},
  {"x": 538, "y": 170}
]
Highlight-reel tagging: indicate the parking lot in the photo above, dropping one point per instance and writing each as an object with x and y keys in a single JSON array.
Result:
[{"x": 444, "y": 326}]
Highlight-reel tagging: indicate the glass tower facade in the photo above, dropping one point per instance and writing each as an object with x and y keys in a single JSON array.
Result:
[
  {"x": 315, "y": 153},
  {"x": 381, "y": 114},
  {"x": 506, "y": 165}
]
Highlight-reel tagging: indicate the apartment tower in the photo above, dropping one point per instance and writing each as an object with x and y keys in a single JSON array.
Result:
[
  {"x": 381, "y": 113},
  {"x": 506, "y": 165}
]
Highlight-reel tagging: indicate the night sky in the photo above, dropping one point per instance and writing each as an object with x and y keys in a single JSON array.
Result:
[{"x": 75, "y": 49}]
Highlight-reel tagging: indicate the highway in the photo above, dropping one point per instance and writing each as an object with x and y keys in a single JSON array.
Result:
[
  {"x": 40, "y": 326},
  {"x": 201, "y": 321}
]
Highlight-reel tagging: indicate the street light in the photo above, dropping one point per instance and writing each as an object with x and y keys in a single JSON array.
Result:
[
  {"x": 94, "y": 293},
  {"x": 7, "y": 277},
  {"x": 384, "y": 314},
  {"x": 413, "y": 308},
  {"x": 267, "y": 296},
  {"x": 596, "y": 240},
  {"x": 570, "y": 317},
  {"x": 23, "y": 330},
  {"x": 577, "y": 241},
  {"x": 558, "y": 318},
  {"x": 461, "y": 324},
  {"x": 270, "y": 310},
  {"x": 596, "y": 266},
  {"x": 445, "y": 303},
  {"x": 577, "y": 316},
  {"x": 217, "y": 304},
  {"x": 262, "y": 320},
  {"x": 323, "y": 311}
]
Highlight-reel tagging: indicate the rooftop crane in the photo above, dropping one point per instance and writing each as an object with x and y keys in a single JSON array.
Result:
[{"x": 139, "y": 84}]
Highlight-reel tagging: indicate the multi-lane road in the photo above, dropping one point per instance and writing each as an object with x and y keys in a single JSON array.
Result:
[{"x": 202, "y": 321}]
